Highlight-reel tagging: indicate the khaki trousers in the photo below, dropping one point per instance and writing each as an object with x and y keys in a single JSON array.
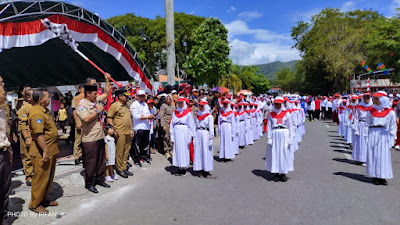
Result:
[
  {"x": 123, "y": 146},
  {"x": 77, "y": 144},
  {"x": 167, "y": 143},
  {"x": 26, "y": 160},
  {"x": 42, "y": 179}
]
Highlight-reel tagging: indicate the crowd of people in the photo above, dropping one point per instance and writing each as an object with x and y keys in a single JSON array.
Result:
[{"x": 111, "y": 124}]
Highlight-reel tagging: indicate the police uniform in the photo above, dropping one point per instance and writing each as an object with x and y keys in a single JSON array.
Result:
[
  {"x": 122, "y": 125},
  {"x": 78, "y": 132},
  {"x": 93, "y": 145},
  {"x": 165, "y": 118},
  {"x": 23, "y": 114},
  {"x": 41, "y": 122}
]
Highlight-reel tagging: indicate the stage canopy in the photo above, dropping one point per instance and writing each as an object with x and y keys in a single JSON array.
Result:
[{"x": 32, "y": 54}]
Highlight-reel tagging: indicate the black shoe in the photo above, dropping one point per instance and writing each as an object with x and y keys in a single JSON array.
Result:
[
  {"x": 138, "y": 163},
  {"x": 29, "y": 183},
  {"x": 77, "y": 161},
  {"x": 283, "y": 178},
  {"x": 128, "y": 173},
  {"x": 376, "y": 181},
  {"x": 103, "y": 184},
  {"x": 148, "y": 162},
  {"x": 276, "y": 177},
  {"x": 183, "y": 173},
  {"x": 383, "y": 182},
  {"x": 122, "y": 174},
  {"x": 92, "y": 189},
  {"x": 170, "y": 160},
  {"x": 206, "y": 174},
  {"x": 128, "y": 164},
  {"x": 178, "y": 173}
]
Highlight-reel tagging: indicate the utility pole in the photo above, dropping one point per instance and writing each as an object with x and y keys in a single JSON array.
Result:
[{"x": 170, "y": 36}]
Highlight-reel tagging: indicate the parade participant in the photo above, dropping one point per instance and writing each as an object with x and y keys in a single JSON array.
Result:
[
  {"x": 254, "y": 122},
  {"x": 226, "y": 125},
  {"x": 249, "y": 127},
  {"x": 119, "y": 117},
  {"x": 203, "y": 151},
  {"x": 335, "y": 108},
  {"x": 43, "y": 151},
  {"x": 78, "y": 126},
  {"x": 311, "y": 109},
  {"x": 6, "y": 156},
  {"x": 317, "y": 111},
  {"x": 328, "y": 109},
  {"x": 291, "y": 112},
  {"x": 165, "y": 117},
  {"x": 280, "y": 136},
  {"x": 236, "y": 137},
  {"x": 323, "y": 106},
  {"x": 359, "y": 153},
  {"x": 89, "y": 111},
  {"x": 25, "y": 134},
  {"x": 348, "y": 118},
  {"x": 242, "y": 125},
  {"x": 266, "y": 110},
  {"x": 142, "y": 119},
  {"x": 110, "y": 153},
  {"x": 380, "y": 130},
  {"x": 341, "y": 110},
  {"x": 182, "y": 129},
  {"x": 259, "y": 121}
]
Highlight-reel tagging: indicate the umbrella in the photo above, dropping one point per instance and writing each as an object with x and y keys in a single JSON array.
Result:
[
  {"x": 245, "y": 92},
  {"x": 220, "y": 89}
]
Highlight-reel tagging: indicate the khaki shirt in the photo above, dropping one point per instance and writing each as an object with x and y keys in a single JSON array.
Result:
[
  {"x": 166, "y": 114},
  {"x": 23, "y": 114},
  {"x": 121, "y": 117},
  {"x": 4, "y": 142},
  {"x": 41, "y": 122},
  {"x": 92, "y": 131}
]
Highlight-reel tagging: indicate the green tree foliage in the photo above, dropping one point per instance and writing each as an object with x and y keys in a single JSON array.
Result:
[
  {"x": 332, "y": 46},
  {"x": 208, "y": 60},
  {"x": 260, "y": 84},
  {"x": 147, "y": 37},
  {"x": 232, "y": 82}
]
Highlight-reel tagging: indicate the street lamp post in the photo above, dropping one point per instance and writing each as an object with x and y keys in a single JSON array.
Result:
[{"x": 170, "y": 37}]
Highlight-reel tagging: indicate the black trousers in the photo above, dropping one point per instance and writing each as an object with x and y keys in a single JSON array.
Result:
[
  {"x": 5, "y": 182},
  {"x": 316, "y": 114},
  {"x": 329, "y": 113},
  {"x": 310, "y": 115},
  {"x": 94, "y": 161},
  {"x": 140, "y": 145}
]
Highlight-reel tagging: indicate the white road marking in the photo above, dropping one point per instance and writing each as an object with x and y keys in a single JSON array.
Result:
[{"x": 327, "y": 126}]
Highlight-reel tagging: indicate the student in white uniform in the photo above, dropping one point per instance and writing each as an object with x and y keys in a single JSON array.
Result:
[
  {"x": 280, "y": 135},
  {"x": 359, "y": 153},
  {"x": 249, "y": 127},
  {"x": 226, "y": 125},
  {"x": 203, "y": 151},
  {"x": 242, "y": 125},
  {"x": 182, "y": 129},
  {"x": 380, "y": 130}
]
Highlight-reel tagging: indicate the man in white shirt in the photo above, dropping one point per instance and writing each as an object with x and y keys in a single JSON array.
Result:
[{"x": 142, "y": 119}]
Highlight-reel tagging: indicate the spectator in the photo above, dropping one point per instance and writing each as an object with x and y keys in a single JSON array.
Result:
[
  {"x": 62, "y": 117},
  {"x": 110, "y": 154}
]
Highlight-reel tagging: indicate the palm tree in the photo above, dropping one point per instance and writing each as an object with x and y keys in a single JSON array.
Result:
[{"x": 232, "y": 82}]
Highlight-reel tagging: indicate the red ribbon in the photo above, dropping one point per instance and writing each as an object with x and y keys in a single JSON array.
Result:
[
  {"x": 180, "y": 115},
  {"x": 375, "y": 113},
  {"x": 200, "y": 118}
]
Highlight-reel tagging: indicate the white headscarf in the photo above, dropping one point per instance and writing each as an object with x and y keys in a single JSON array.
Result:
[
  {"x": 277, "y": 111},
  {"x": 205, "y": 111},
  {"x": 362, "y": 103},
  {"x": 183, "y": 108},
  {"x": 384, "y": 101}
]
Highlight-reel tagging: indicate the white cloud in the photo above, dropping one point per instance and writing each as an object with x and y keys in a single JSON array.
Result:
[
  {"x": 231, "y": 9},
  {"x": 392, "y": 8},
  {"x": 305, "y": 16},
  {"x": 245, "y": 53},
  {"x": 239, "y": 27},
  {"x": 348, "y": 6},
  {"x": 250, "y": 15}
]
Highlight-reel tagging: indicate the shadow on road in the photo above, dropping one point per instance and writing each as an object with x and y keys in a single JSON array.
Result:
[
  {"x": 343, "y": 151},
  {"x": 172, "y": 169},
  {"x": 264, "y": 174},
  {"x": 56, "y": 192},
  {"x": 354, "y": 176},
  {"x": 216, "y": 158},
  {"x": 338, "y": 146},
  {"x": 346, "y": 161},
  {"x": 337, "y": 142},
  {"x": 15, "y": 206}
]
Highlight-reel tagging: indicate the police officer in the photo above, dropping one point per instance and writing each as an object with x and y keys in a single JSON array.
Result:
[
  {"x": 119, "y": 117},
  {"x": 5, "y": 158},
  {"x": 25, "y": 133},
  {"x": 165, "y": 118},
  {"x": 93, "y": 135},
  {"x": 43, "y": 151}
]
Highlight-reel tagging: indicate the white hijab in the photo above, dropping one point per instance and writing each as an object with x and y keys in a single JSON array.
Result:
[{"x": 181, "y": 109}]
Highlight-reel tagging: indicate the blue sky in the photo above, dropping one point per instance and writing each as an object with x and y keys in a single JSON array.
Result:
[{"x": 259, "y": 30}]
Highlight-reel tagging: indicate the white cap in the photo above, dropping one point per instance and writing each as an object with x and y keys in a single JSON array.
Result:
[
  {"x": 173, "y": 91},
  {"x": 140, "y": 92},
  {"x": 390, "y": 95}
]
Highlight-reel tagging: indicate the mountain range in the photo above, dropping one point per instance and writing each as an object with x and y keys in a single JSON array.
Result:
[{"x": 269, "y": 70}]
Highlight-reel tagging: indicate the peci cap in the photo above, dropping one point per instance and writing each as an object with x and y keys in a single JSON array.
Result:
[{"x": 140, "y": 92}]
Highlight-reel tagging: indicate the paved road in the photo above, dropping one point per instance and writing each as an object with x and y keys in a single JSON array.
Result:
[{"x": 325, "y": 188}]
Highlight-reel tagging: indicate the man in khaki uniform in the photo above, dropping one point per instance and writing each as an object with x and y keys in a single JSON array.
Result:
[
  {"x": 78, "y": 126},
  {"x": 166, "y": 111},
  {"x": 25, "y": 134},
  {"x": 93, "y": 135},
  {"x": 119, "y": 117},
  {"x": 43, "y": 151}
]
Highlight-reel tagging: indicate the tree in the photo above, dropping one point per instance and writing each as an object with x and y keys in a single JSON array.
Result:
[
  {"x": 260, "y": 84},
  {"x": 208, "y": 60},
  {"x": 232, "y": 82}
]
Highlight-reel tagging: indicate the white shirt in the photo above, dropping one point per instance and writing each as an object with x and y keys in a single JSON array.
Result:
[
  {"x": 4, "y": 142},
  {"x": 138, "y": 110}
]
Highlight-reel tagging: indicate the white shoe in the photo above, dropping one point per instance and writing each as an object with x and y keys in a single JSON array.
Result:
[
  {"x": 109, "y": 179},
  {"x": 363, "y": 165},
  {"x": 397, "y": 147},
  {"x": 114, "y": 176}
]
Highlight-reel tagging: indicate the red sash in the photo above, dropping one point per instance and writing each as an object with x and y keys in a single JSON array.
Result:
[
  {"x": 243, "y": 112},
  {"x": 248, "y": 111},
  {"x": 236, "y": 114},
  {"x": 363, "y": 108},
  {"x": 200, "y": 118},
  {"x": 279, "y": 116},
  {"x": 180, "y": 115},
  {"x": 375, "y": 113},
  {"x": 226, "y": 114},
  {"x": 350, "y": 107}
]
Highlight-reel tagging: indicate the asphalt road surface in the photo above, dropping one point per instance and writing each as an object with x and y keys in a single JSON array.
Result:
[{"x": 325, "y": 188}]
